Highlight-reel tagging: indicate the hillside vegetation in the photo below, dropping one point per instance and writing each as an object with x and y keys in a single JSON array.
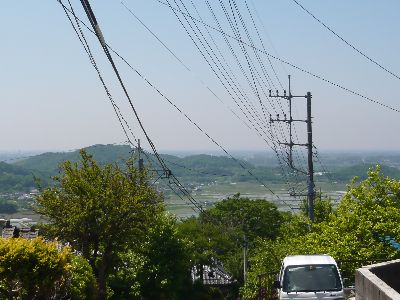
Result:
[{"x": 19, "y": 176}]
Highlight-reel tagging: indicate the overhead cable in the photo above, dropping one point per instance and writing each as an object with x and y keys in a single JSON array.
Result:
[
  {"x": 320, "y": 77},
  {"x": 346, "y": 42},
  {"x": 96, "y": 30},
  {"x": 98, "y": 33}
]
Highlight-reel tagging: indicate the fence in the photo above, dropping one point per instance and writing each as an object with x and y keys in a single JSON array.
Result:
[{"x": 265, "y": 290}]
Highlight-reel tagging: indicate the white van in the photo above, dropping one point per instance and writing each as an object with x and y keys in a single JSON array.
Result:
[{"x": 309, "y": 277}]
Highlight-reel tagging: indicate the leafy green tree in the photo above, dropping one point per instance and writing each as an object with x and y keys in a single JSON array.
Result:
[
  {"x": 323, "y": 208},
  {"x": 208, "y": 242},
  {"x": 267, "y": 255},
  {"x": 254, "y": 218},
  {"x": 83, "y": 282},
  {"x": 100, "y": 211},
  {"x": 35, "y": 269},
  {"x": 355, "y": 231},
  {"x": 369, "y": 211},
  {"x": 217, "y": 235},
  {"x": 160, "y": 269}
]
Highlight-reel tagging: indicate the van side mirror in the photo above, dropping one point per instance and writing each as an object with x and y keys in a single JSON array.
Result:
[{"x": 276, "y": 284}]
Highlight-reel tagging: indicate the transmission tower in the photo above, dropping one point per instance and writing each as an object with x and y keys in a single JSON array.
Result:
[{"x": 309, "y": 145}]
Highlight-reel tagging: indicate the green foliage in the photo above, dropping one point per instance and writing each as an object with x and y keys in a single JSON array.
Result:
[
  {"x": 218, "y": 233},
  {"x": 253, "y": 218},
  {"x": 369, "y": 211},
  {"x": 193, "y": 169},
  {"x": 34, "y": 269},
  {"x": 48, "y": 163},
  {"x": 83, "y": 282},
  {"x": 166, "y": 269},
  {"x": 100, "y": 211},
  {"x": 160, "y": 269},
  {"x": 323, "y": 208},
  {"x": 14, "y": 178},
  {"x": 267, "y": 254},
  {"x": 207, "y": 241},
  {"x": 361, "y": 170}
]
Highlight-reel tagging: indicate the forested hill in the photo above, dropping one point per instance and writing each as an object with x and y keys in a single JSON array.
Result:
[
  {"x": 48, "y": 163},
  {"x": 193, "y": 168},
  {"x": 190, "y": 169}
]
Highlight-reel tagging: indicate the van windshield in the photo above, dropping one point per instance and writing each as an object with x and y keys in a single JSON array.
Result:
[{"x": 311, "y": 278}]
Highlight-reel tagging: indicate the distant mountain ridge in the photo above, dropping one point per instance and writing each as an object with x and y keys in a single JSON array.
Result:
[{"x": 199, "y": 168}]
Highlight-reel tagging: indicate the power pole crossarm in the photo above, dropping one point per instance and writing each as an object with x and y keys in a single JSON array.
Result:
[{"x": 289, "y": 121}]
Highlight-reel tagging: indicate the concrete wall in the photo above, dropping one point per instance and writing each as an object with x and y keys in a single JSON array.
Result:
[{"x": 378, "y": 282}]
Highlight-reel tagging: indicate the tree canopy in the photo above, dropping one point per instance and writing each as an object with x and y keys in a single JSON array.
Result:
[
  {"x": 100, "y": 211},
  {"x": 252, "y": 217},
  {"x": 358, "y": 229}
]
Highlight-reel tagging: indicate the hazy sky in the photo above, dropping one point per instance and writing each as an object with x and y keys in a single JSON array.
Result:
[{"x": 52, "y": 98}]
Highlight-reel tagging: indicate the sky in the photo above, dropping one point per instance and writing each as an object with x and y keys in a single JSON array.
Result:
[{"x": 52, "y": 98}]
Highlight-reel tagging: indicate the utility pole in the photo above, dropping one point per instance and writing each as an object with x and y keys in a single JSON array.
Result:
[
  {"x": 140, "y": 160},
  {"x": 289, "y": 120},
  {"x": 311, "y": 186},
  {"x": 245, "y": 244}
]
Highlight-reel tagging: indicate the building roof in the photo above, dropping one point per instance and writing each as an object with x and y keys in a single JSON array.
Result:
[{"x": 215, "y": 275}]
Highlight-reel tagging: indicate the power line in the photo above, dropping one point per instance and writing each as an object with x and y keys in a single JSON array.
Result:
[
  {"x": 273, "y": 147},
  {"x": 86, "y": 47},
  {"x": 96, "y": 30},
  {"x": 237, "y": 60},
  {"x": 181, "y": 61},
  {"x": 267, "y": 35},
  {"x": 320, "y": 77},
  {"x": 345, "y": 41},
  {"x": 272, "y": 67},
  {"x": 99, "y": 35},
  {"x": 262, "y": 44}
]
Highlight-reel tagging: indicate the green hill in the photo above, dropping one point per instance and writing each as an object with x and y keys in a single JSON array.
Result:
[
  {"x": 48, "y": 163},
  {"x": 193, "y": 168},
  {"x": 360, "y": 170},
  {"x": 190, "y": 169},
  {"x": 15, "y": 178}
]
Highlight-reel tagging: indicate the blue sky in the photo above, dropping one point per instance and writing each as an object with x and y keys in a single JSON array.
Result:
[{"x": 53, "y": 100}]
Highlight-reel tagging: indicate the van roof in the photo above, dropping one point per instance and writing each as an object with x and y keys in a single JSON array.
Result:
[{"x": 296, "y": 260}]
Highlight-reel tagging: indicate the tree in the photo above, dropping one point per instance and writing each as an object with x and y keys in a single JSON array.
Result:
[
  {"x": 369, "y": 211},
  {"x": 207, "y": 242},
  {"x": 100, "y": 211},
  {"x": 35, "y": 269},
  {"x": 323, "y": 208},
  {"x": 160, "y": 269},
  {"x": 357, "y": 230},
  {"x": 266, "y": 257},
  {"x": 217, "y": 235},
  {"x": 254, "y": 218}
]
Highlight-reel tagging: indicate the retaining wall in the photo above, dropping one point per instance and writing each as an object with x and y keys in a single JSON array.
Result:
[{"x": 379, "y": 282}]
